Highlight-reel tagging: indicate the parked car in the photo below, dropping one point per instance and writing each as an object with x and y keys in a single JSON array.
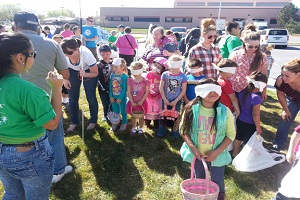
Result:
[
  {"x": 277, "y": 36},
  {"x": 180, "y": 30}
]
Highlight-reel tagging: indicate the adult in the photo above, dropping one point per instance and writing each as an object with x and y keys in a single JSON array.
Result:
[
  {"x": 249, "y": 58},
  {"x": 50, "y": 58},
  {"x": 82, "y": 64},
  {"x": 67, "y": 32},
  {"x": 127, "y": 46},
  {"x": 288, "y": 87},
  {"x": 205, "y": 50},
  {"x": 231, "y": 40},
  {"x": 26, "y": 158},
  {"x": 48, "y": 32},
  {"x": 2, "y": 29},
  {"x": 90, "y": 33},
  {"x": 158, "y": 47},
  {"x": 77, "y": 34},
  {"x": 121, "y": 30}
]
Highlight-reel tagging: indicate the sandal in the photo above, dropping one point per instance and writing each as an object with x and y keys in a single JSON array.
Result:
[
  {"x": 140, "y": 132},
  {"x": 133, "y": 131},
  {"x": 71, "y": 128},
  {"x": 91, "y": 126}
]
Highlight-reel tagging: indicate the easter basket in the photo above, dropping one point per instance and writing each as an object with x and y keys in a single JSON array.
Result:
[
  {"x": 197, "y": 188},
  {"x": 138, "y": 114},
  {"x": 168, "y": 117},
  {"x": 113, "y": 117}
]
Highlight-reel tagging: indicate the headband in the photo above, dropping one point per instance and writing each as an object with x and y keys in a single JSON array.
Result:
[
  {"x": 175, "y": 64},
  {"x": 230, "y": 70},
  {"x": 204, "y": 89},
  {"x": 137, "y": 71},
  {"x": 194, "y": 70},
  {"x": 257, "y": 84}
]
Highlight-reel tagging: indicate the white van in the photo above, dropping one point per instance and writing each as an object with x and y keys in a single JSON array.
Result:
[{"x": 277, "y": 36}]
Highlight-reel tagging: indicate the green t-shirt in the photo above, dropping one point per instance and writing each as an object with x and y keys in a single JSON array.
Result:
[
  {"x": 228, "y": 43},
  {"x": 206, "y": 136},
  {"x": 24, "y": 109}
]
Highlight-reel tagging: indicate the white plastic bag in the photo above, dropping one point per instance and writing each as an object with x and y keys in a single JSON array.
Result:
[
  {"x": 289, "y": 184},
  {"x": 255, "y": 157}
]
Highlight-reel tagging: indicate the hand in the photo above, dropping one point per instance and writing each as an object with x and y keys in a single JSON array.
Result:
[
  {"x": 264, "y": 95},
  {"x": 259, "y": 130},
  {"x": 196, "y": 153},
  {"x": 286, "y": 116},
  {"x": 211, "y": 156},
  {"x": 167, "y": 102},
  {"x": 140, "y": 103},
  {"x": 55, "y": 80},
  {"x": 67, "y": 84},
  {"x": 173, "y": 103},
  {"x": 119, "y": 101},
  {"x": 112, "y": 100},
  {"x": 236, "y": 114},
  {"x": 82, "y": 73},
  {"x": 290, "y": 157},
  {"x": 133, "y": 104}
]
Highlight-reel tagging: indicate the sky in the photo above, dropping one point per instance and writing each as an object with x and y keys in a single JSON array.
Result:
[{"x": 93, "y": 7}]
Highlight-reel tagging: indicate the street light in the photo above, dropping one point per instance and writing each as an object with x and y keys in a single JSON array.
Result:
[{"x": 219, "y": 14}]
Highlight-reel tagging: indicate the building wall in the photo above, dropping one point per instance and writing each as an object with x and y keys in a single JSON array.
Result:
[{"x": 190, "y": 17}]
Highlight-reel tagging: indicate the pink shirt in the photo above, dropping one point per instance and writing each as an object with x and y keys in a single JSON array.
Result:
[
  {"x": 154, "y": 81},
  {"x": 123, "y": 45},
  {"x": 67, "y": 33},
  {"x": 239, "y": 81},
  {"x": 137, "y": 89}
]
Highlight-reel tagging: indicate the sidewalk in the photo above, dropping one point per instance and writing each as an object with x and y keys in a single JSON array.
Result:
[{"x": 270, "y": 85}]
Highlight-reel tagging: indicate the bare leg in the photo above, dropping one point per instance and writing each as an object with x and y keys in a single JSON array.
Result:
[{"x": 236, "y": 147}]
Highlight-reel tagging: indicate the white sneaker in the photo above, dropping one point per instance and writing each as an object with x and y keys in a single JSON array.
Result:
[
  {"x": 58, "y": 177},
  {"x": 103, "y": 119}
]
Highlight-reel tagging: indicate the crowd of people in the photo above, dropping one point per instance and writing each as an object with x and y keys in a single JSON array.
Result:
[{"x": 216, "y": 83}]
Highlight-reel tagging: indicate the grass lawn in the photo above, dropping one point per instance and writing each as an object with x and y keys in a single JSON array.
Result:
[{"x": 121, "y": 166}]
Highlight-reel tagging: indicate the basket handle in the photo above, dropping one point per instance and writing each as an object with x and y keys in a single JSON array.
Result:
[
  {"x": 138, "y": 105},
  {"x": 206, "y": 173},
  {"x": 110, "y": 106}
]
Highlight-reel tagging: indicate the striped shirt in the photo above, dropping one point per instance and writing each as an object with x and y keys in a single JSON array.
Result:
[
  {"x": 207, "y": 56},
  {"x": 239, "y": 81}
]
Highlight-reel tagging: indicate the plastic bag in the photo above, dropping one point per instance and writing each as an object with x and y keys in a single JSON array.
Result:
[
  {"x": 289, "y": 186},
  {"x": 255, "y": 157}
]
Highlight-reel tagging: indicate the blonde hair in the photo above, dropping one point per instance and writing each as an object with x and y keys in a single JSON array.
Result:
[
  {"x": 175, "y": 58},
  {"x": 136, "y": 65},
  {"x": 208, "y": 24},
  {"x": 123, "y": 65}
]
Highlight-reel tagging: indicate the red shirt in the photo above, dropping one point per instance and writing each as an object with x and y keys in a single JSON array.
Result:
[{"x": 226, "y": 90}]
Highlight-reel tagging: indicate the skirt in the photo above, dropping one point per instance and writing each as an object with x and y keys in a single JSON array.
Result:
[{"x": 154, "y": 108}]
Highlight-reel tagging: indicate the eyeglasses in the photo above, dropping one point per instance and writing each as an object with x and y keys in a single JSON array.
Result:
[
  {"x": 251, "y": 47},
  {"x": 69, "y": 52},
  {"x": 211, "y": 36},
  {"x": 31, "y": 54}
]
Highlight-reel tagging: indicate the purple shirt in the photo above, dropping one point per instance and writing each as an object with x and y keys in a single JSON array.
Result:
[
  {"x": 123, "y": 45},
  {"x": 247, "y": 106}
]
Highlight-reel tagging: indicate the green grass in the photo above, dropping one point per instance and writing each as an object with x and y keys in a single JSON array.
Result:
[{"x": 113, "y": 166}]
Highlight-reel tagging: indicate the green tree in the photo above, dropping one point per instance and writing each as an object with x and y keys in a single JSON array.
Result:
[
  {"x": 62, "y": 12},
  {"x": 286, "y": 14},
  {"x": 7, "y": 11}
]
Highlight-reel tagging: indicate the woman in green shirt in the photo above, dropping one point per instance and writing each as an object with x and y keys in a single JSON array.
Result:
[{"x": 26, "y": 158}]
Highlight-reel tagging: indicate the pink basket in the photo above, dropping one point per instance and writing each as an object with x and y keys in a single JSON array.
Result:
[{"x": 199, "y": 189}]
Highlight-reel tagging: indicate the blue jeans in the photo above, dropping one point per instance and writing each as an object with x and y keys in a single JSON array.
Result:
[
  {"x": 56, "y": 141},
  {"x": 89, "y": 85},
  {"x": 162, "y": 130},
  {"x": 217, "y": 173},
  {"x": 105, "y": 100},
  {"x": 284, "y": 126},
  {"x": 116, "y": 109},
  {"x": 27, "y": 175}
]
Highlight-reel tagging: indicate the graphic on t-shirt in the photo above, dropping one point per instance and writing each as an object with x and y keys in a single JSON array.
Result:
[
  {"x": 116, "y": 84},
  {"x": 137, "y": 88},
  {"x": 204, "y": 130},
  {"x": 154, "y": 86},
  {"x": 3, "y": 118},
  {"x": 173, "y": 84},
  {"x": 87, "y": 32}
]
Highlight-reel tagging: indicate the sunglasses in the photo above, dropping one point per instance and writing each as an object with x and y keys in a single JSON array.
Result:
[
  {"x": 91, "y": 20},
  {"x": 31, "y": 54},
  {"x": 69, "y": 52},
  {"x": 211, "y": 36},
  {"x": 251, "y": 47}
]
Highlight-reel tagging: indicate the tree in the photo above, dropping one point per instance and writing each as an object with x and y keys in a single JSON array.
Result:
[
  {"x": 58, "y": 13},
  {"x": 7, "y": 11},
  {"x": 287, "y": 14}
]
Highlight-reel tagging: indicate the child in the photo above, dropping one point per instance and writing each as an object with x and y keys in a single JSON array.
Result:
[
  {"x": 117, "y": 91},
  {"x": 105, "y": 70},
  {"x": 270, "y": 61},
  {"x": 194, "y": 68},
  {"x": 58, "y": 38},
  {"x": 137, "y": 91},
  {"x": 172, "y": 88},
  {"x": 112, "y": 40},
  {"x": 226, "y": 68},
  {"x": 289, "y": 189},
  {"x": 207, "y": 127},
  {"x": 249, "y": 119},
  {"x": 154, "y": 96}
]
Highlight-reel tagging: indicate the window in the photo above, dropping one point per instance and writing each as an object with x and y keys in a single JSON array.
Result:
[
  {"x": 271, "y": 4},
  {"x": 258, "y": 20},
  {"x": 238, "y": 19},
  {"x": 190, "y": 4},
  {"x": 146, "y": 19},
  {"x": 117, "y": 18},
  {"x": 278, "y": 32},
  {"x": 273, "y": 21},
  {"x": 229, "y": 4},
  {"x": 179, "y": 19}
]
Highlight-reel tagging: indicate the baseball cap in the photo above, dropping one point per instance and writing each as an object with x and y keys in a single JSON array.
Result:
[
  {"x": 162, "y": 61},
  {"x": 121, "y": 26},
  {"x": 117, "y": 61},
  {"x": 104, "y": 48},
  {"x": 171, "y": 47},
  {"x": 26, "y": 18}
]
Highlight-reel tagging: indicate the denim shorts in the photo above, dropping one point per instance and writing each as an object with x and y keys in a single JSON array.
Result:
[{"x": 28, "y": 174}]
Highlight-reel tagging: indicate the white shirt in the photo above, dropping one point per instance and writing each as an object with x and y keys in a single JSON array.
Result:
[{"x": 87, "y": 59}]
